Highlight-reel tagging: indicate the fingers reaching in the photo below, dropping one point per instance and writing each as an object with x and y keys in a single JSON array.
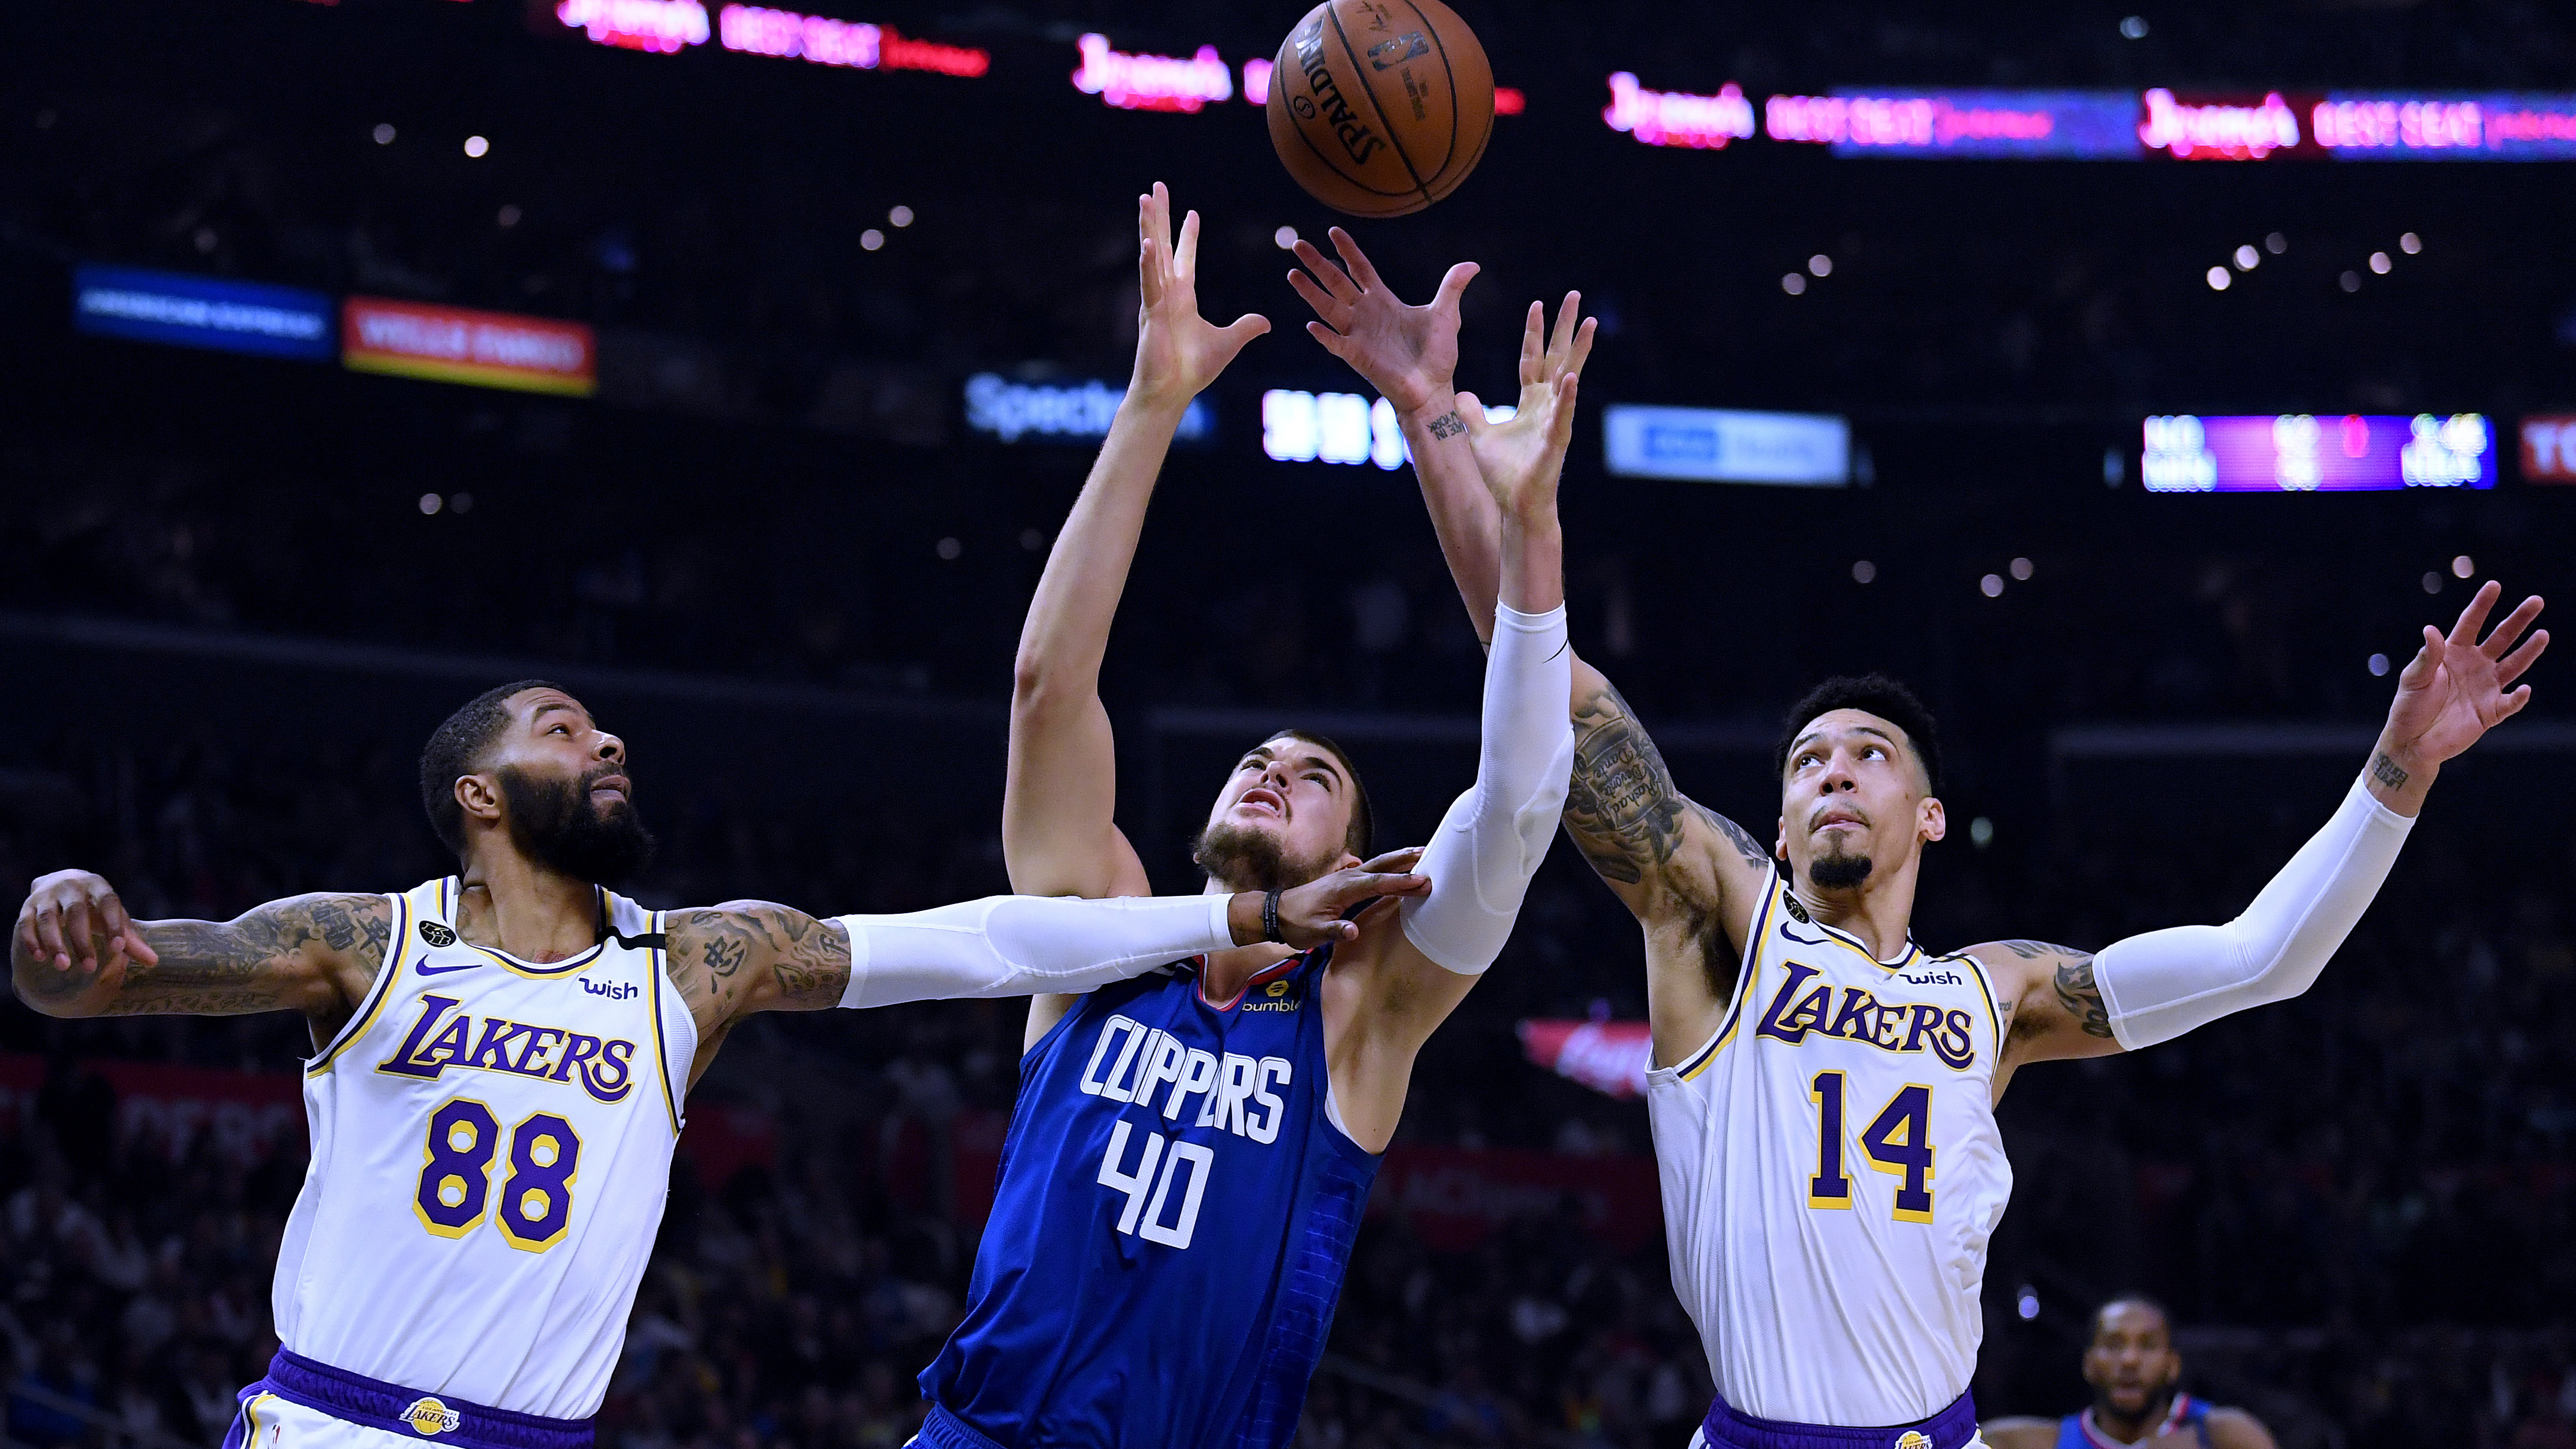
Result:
[
  {"x": 1333, "y": 279},
  {"x": 2511, "y": 667},
  {"x": 1534, "y": 346},
  {"x": 1335, "y": 312},
  {"x": 2502, "y": 636},
  {"x": 1357, "y": 260},
  {"x": 1185, "y": 256},
  {"x": 1403, "y": 859},
  {"x": 1453, "y": 285},
  {"x": 2419, "y": 671}
]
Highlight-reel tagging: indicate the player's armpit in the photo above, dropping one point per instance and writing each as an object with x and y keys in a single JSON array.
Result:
[
  {"x": 315, "y": 954},
  {"x": 2052, "y": 1007},
  {"x": 731, "y": 960}
]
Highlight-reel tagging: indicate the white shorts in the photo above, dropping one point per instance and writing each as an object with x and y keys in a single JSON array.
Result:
[{"x": 269, "y": 1422}]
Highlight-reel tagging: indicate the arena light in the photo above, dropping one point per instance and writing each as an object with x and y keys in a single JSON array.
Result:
[
  {"x": 2304, "y": 453},
  {"x": 2218, "y": 130},
  {"x": 1678, "y": 118},
  {"x": 658, "y": 27},
  {"x": 857, "y": 45},
  {"x": 1151, "y": 82}
]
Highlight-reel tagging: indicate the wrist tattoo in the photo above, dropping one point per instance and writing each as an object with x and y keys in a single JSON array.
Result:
[
  {"x": 1447, "y": 425},
  {"x": 2387, "y": 772}
]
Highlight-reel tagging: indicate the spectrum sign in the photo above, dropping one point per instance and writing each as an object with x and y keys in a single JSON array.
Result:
[
  {"x": 1062, "y": 412},
  {"x": 205, "y": 312},
  {"x": 2303, "y": 453},
  {"x": 456, "y": 344}
]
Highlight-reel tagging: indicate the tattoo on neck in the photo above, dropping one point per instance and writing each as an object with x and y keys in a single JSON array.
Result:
[
  {"x": 1447, "y": 425},
  {"x": 2386, "y": 772}
]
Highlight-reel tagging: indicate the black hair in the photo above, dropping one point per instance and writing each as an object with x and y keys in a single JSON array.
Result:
[
  {"x": 1363, "y": 826},
  {"x": 455, "y": 748},
  {"x": 2140, "y": 1300},
  {"x": 1879, "y": 695}
]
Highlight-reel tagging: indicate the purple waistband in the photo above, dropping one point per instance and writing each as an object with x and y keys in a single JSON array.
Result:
[
  {"x": 1727, "y": 1427},
  {"x": 944, "y": 1430},
  {"x": 411, "y": 1413}
]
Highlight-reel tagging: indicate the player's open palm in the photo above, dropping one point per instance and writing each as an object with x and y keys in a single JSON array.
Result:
[
  {"x": 1178, "y": 352},
  {"x": 1409, "y": 354},
  {"x": 1521, "y": 456},
  {"x": 2459, "y": 686}
]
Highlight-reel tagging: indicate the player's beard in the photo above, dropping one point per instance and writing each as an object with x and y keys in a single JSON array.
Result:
[
  {"x": 1252, "y": 860},
  {"x": 554, "y": 824},
  {"x": 1836, "y": 871}
]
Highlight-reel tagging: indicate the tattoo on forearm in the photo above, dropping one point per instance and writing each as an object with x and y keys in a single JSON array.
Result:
[
  {"x": 211, "y": 968},
  {"x": 2386, "y": 772},
  {"x": 1447, "y": 425}
]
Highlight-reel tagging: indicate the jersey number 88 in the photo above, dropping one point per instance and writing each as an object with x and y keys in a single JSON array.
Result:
[{"x": 455, "y": 1187}]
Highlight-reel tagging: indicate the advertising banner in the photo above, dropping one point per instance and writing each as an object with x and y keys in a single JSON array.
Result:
[
  {"x": 457, "y": 344},
  {"x": 1454, "y": 1197},
  {"x": 1713, "y": 445},
  {"x": 211, "y": 312},
  {"x": 1607, "y": 1056}
]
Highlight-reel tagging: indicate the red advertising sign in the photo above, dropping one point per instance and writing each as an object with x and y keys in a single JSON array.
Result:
[
  {"x": 1607, "y": 1056},
  {"x": 457, "y": 344},
  {"x": 1453, "y": 1197},
  {"x": 2549, "y": 448}
]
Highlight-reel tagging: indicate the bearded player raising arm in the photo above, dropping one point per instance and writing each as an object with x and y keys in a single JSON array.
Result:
[
  {"x": 1822, "y": 1090},
  {"x": 501, "y": 1056}
]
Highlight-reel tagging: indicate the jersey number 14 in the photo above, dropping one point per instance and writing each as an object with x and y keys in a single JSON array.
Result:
[{"x": 1898, "y": 1142}]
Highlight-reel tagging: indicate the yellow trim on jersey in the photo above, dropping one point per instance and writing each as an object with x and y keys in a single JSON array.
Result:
[
  {"x": 661, "y": 1058},
  {"x": 1985, "y": 988},
  {"x": 1746, "y": 974},
  {"x": 1901, "y": 963},
  {"x": 397, "y": 947},
  {"x": 250, "y": 1419},
  {"x": 554, "y": 972}
]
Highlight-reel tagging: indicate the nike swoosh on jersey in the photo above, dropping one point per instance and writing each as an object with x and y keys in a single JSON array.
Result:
[{"x": 425, "y": 969}]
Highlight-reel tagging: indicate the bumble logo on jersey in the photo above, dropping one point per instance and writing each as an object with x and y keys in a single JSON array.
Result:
[
  {"x": 543, "y": 1052},
  {"x": 1277, "y": 996},
  {"x": 1893, "y": 1026}
]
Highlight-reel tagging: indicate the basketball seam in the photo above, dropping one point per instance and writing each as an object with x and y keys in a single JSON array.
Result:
[
  {"x": 1309, "y": 143},
  {"x": 1449, "y": 71},
  {"x": 1370, "y": 91}
]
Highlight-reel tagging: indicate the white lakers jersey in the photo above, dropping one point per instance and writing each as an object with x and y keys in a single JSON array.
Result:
[
  {"x": 1831, "y": 1174},
  {"x": 491, "y": 1147}
]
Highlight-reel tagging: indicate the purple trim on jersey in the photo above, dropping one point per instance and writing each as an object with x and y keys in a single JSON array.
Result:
[
  {"x": 358, "y": 1399},
  {"x": 941, "y": 1429},
  {"x": 1727, "y": 1427}
]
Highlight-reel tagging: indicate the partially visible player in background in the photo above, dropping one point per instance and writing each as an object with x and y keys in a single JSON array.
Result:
[
  {"x": 1191, "y": 1152},
  {"x": 500, "y": 1056},
  {"x": 1821, "y": 1089},
  {"x": 2137, "y": 1394}
]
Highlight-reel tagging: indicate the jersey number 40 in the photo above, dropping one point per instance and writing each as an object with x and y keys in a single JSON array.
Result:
[
  {"x": 1898, "y": 1142},
  {"x": 1145, "y": 1211}
]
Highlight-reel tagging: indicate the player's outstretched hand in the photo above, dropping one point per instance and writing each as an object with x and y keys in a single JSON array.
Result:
[
  {"x": 1521, "y": 456},
  {"x": 1409, "y": 354},
  {"x": 73, "y": 923},
  {"x": 1325, "y": 909},
  {"x": 2458, "y": 686},
  {"x": 1178, "y": 352}
]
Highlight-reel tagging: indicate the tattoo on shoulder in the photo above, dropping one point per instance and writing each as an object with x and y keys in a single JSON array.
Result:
[
  {"x": 2387, "y": 772},
  {"x": 1447, "y": 425},
  {"x": 2077, "y": 992},
  {"x": 1622, "y": 807},
  {"x": 808, "y": 959}
]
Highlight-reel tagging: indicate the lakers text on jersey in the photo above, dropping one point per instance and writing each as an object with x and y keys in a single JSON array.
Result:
[
  {"x": 492, "y": 1143},
  {"x": 1832, "y": 1173},
  {"x": 1169, "y": 1232}
]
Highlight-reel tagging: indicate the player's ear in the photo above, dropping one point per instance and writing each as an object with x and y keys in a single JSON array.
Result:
[
  {"x": 1931, "y": 819},
  {"x": 479, "y": 796},
  {"x": 1780, "y": 839}
]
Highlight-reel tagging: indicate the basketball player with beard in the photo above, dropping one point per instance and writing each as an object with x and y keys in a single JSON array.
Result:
[
  {"x": 1821, "y": 1090},
  {"x": 2137, "y": 1396},
  {"x": 1191, "y": 1152},
  {"x": 501, "y": 1056}
]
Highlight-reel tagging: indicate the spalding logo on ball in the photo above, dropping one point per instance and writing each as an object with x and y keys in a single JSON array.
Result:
[{"x": 1381, "y": 107}]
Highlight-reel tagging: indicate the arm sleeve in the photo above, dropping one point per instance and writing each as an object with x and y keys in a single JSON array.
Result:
[
  {"x": 1494, "y": 836},
  {"x": 1024, "y": 945},
  {"x": 2161, "y": 984}
]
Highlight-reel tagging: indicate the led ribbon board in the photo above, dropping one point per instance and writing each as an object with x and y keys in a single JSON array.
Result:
[
  {"x": 2305, "y": 453},
  {"x": 209, "y": 312},
  {"x": 1078, "y": 412},
  {"x": 456, "y": 344},
  {"x": 2027, "y": 125},
  {"x": 1714, "y": 445}
]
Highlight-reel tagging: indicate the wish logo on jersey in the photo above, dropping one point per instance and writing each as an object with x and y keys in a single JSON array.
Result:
[
  {"x": 439, "y": 1041},
  {"x": 1891, "y": 1026}
]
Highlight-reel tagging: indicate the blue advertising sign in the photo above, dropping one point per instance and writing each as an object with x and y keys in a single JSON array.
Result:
[
  {"x": 187, "y": 311},
  {"x": 1712, "y": 445}
]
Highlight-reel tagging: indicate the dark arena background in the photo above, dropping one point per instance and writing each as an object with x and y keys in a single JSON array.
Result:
[{"x": 807, "y": 332}]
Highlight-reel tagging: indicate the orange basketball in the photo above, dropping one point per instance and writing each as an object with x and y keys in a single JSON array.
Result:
[{"x": 1381, "y": 107}]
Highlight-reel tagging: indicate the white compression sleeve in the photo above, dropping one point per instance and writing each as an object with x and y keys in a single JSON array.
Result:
[
  {"x": 2158, "y": 985},
  {"x": 1024, "y": 945},
  {"x": 1494, "y": 836}
]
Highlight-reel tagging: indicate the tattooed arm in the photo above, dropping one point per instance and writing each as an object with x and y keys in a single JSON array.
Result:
[
  {"x": 76, "y": 953},
  {"x": 2050, "y": 1004}
]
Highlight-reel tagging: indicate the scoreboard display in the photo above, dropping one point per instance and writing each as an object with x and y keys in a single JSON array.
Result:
[{"x": 2316, "y": 453}]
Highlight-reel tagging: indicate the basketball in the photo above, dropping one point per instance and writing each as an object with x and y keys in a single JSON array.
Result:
[{"x": 1381, "y": 107}]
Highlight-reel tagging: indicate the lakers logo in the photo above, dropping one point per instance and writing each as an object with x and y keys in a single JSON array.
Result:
[
  {"x": 437, "y": 935},
  {"x": 430, "y": 1417},
  {"x": 1914, "y": 1439}
]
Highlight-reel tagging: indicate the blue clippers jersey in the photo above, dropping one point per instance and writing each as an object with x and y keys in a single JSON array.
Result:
[
  {"x": 1170, "y": 1228},
  {"x": 2188, "y": 1419}
]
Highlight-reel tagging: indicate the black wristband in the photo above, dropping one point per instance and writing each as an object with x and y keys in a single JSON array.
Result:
[{"x": 1270, "y": 919}]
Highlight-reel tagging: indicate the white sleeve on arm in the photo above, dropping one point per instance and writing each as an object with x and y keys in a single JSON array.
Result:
[
  {"x": 2161, "y": 984},
  {"x": 1024, "y": 945},
  {"x": 1494, "y": 836}
]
